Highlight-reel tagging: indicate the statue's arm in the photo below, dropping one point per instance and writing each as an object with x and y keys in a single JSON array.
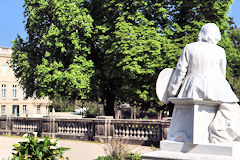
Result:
[
  {"x": 179, "y": 73},
  {"x": 223, "y": 63}
]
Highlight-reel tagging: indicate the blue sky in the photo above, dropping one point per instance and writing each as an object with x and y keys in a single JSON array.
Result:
[{"x": 11, "y": 19}]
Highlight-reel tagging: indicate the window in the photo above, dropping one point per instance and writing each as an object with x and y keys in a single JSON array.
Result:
[
  {"x": 4, "y": 70},
  {"x": 3, "y": 90},
  {"x": 24, "y": 109},
  {"x": 15, "y": 110},
  {"x": 14, "y": 91},
  {"x": 38, "y": 109},
  {"x": 3, "y": 110},
  {"x": 24, "y": 94}
]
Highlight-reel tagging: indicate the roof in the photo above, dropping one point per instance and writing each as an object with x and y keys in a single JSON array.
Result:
[{"x": 4, "y": 51}]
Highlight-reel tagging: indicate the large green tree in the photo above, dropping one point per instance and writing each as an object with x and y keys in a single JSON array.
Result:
[{"x": 110, "y": 50}]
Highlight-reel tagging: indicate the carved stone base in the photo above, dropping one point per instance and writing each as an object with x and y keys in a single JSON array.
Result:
[
  {"x": 191, "y": 119},
  {"x": 178, "y": 150}
]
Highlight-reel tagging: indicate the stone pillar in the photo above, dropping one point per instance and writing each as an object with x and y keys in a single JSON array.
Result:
[
  {"x": 9, "y": 125},
  {"x": 3, "y": 125},
  {"x": 49, "y": 126},
  {"x": 46, "y": 126},
  {"x": 103, "y": 128}
]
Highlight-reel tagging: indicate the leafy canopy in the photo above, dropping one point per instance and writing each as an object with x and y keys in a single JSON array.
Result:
[{"x": 109, "y": 50}]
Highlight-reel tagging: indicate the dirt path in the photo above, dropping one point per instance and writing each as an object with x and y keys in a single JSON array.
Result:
[{"x": 80, "y": 150}]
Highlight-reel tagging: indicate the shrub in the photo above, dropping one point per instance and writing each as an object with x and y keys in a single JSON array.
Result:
[
  {"x": 117, "y": 149},
  {"x": 130, "y": 156},
  {"x": 105, "y": 158},
  {"x": 32, "y": 147},
  {"x": 134, "y": 156}
]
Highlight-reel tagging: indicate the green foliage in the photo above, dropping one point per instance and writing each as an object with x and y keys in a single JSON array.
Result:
[
  {"x": 234, "y": 34},
  {"x": 132, "y": 156},
  {"x": 117, "y": 149},
  {"x": 91, "y": 112},
  {"x": 110, "y": 50},
  {"x": 232, "y": 47},
  {"x": 105, "y": 158},
  {"x": 53, "y": 60},
  {"x": 61, "y": 105},
  {"x": 36, "y": 148}
]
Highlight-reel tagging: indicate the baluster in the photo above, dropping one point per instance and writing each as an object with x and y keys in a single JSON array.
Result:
[
  {"x": 85, "y": 129},
  {"x": 17, "y": 126},
  {"x": 120, "y": 131},
  {"x": 143, "y": 131},
  {"x": 131, "y": 130},
  {"x": 80, "y": 128},
  {"x": 127, "y": 130},
  {"x": 135, "y": 131},
  {"x": 70, "y": 128},
  {"x": 139, "y": 131},
  {"x": 60, "y": 128},
  {"x": 116, "y": 130},
  {"x": 77, "y": 129},
  {"x": 23, "y": 127},
  {"x": 147, "y": 131},
  {"x": 67, "y": 124},
  {"x": 150, "y": 132},
  {"x": 123, "y": 130},
  {"x": 35, "y": 125},
  {"x": 65, "y": 127},
  {"x": 32, "y": 126},
  {"x": 20, "y": 126},
  {"x": 74, "y": 128}
]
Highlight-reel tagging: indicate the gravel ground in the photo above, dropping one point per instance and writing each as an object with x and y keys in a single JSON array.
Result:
[{"x": 80, "y": 150}]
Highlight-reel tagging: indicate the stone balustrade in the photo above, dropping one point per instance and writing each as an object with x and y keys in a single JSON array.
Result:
[
  {"x": 139, "y": 131},
  {"x": 103, "y": 128}
]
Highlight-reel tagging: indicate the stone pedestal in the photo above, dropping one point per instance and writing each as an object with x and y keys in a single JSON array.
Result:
[
  {"x": 188, "y": 135},
  {"x": 191, "y": 119}
]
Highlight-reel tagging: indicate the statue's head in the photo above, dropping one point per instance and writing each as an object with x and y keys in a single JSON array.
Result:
[{"x": 210, "y": 33}]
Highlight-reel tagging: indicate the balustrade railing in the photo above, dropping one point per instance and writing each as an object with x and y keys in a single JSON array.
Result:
[
  {"x": 25, "y": 125},
  {"x": 99, "y": 128},
  {"x": 143, "y": 130},
  {"x": 77, "y": 127}
]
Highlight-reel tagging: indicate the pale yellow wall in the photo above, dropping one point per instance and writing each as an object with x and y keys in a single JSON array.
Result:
[{"x": 9, "y": 79}]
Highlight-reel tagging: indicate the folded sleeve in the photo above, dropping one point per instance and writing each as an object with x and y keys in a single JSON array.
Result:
[
  {"x": 223, "y": 63},
  {"x": 179, "y": 73}
]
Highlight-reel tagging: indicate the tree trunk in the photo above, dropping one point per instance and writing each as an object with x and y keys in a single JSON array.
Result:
[
  {"x": 108, "y": 105},
  {"x": 75, "y": 104}
]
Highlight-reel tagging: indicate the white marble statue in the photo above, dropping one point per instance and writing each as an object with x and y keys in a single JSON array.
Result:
[{"x": 200, "y": 73}]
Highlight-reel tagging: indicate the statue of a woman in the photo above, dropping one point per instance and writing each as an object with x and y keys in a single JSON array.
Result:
[{"x": 201, "y": 73}]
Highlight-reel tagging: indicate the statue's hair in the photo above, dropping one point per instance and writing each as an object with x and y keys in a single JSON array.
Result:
[{"x": 210, "y": 33}]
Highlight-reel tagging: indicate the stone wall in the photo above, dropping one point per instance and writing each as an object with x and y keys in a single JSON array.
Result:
[{"x": 103, "y": 128}]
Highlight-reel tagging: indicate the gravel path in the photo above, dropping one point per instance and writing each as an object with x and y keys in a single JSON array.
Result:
[{"x": 80, "y": 150}]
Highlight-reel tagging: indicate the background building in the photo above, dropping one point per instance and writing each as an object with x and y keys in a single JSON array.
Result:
[{"x": 12, "y": 96}]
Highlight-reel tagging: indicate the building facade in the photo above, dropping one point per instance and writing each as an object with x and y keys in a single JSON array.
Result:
[{"x": 12, "y": 96}]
